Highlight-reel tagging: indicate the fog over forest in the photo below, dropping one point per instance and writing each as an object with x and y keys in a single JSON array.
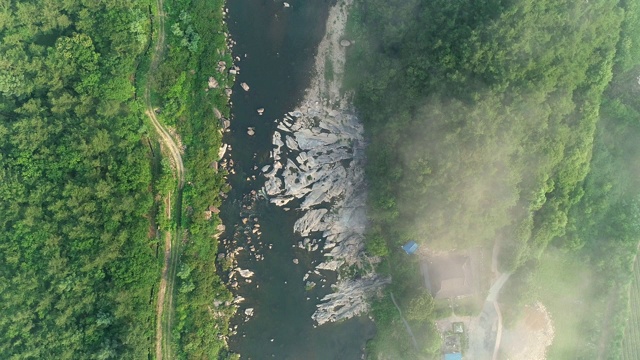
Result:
[{"x": 507, "y": 126}]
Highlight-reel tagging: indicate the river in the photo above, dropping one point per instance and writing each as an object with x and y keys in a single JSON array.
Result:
[{"x": 280, "y": 43}]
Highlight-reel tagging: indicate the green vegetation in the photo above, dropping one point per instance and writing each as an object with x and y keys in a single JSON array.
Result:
[
  {"x": 482, "y": 115},
  {"x": 557, "y": 283},
  {"x": 589, "y": 270},
  {"x": 631, "y": 341},
  {"x": 593, "y": 262},
  {"x": 79, "y": 264},
  {"x": 199, "y": 323},
  {"x": 83, "y": 187},
  {"x": 392, "y": 340},
  {"x": 496, "y": 121}
]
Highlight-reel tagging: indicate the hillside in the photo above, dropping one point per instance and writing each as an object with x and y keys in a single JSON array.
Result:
[{"x": 482, "y": 119}]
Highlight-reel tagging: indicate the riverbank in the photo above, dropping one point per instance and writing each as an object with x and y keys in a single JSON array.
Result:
[{"x": 189, "y": 89}]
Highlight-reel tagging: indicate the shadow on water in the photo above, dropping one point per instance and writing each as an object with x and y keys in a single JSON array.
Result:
[{"x": 280, "y": 44}]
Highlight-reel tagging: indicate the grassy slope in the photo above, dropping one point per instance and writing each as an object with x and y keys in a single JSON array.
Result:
[
  {"x": 631, "y": 342},
  {"x": 563, "y": 282}
]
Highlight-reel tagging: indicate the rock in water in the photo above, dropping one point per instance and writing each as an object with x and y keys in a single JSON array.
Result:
[
  {"x": 291, "y": 143},
  {"x": 348, "y": 300},
  {"x": 245, "y": 273},
  {"x": 222, "y": 151},
  {"x": 324, "y": 168},
  {"x": 310, "y": 221}
]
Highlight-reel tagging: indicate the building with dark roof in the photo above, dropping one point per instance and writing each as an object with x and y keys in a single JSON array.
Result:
[{"x": 448, "y": 276}]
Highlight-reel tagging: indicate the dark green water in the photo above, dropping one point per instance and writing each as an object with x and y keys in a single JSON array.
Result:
[{"x": 280, "y": 44}]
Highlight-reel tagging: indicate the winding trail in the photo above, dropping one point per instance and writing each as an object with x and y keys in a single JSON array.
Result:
[
  {"x": 167, "y": 141},
  {"x": 164, "y": 308}
]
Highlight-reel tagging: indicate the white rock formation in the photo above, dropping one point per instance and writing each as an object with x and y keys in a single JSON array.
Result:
[
  {"x": 312, "y": 220},
  {"x": 348, "y": 299},
  {"x": 321, "y": 162},
  {"x": 222, "y": 151},
  {"x": 245, "y": 273},
  {"x": 324, "y": 167},
  {"x": 213, "y": 83}
]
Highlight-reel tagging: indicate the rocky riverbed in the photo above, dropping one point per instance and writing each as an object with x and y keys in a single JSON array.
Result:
[{"x": 318, "y": 171}]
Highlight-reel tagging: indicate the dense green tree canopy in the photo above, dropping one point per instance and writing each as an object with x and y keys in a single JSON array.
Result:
[
  {"x": 481, "y": 115},
  {"x": 79, "y": 263},
  {"x": 496, "y": 121},
  {"x": 77, "y": 266}
]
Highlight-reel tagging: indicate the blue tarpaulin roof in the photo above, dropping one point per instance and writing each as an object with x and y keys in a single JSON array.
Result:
[
  {"x": 410, "y": 247},
  {"x": 453, "y": 356}
]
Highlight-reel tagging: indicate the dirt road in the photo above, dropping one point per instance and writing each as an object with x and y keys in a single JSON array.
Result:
[
  {"x": 171, "y": 146},
  {"x": 165, "y": 293}
]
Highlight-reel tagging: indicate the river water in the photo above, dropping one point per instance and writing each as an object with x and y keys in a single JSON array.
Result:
[{"x": 280, "y": 44}]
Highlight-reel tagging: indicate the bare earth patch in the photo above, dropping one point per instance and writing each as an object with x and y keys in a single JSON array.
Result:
[{"x": 530, "y": 337}]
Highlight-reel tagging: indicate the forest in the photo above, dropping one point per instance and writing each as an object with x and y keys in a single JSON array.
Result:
[
  {"x": 498, "y": 121},
  {"x": 78, "y": 266},
  {"x": 81, "y": 183}
]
